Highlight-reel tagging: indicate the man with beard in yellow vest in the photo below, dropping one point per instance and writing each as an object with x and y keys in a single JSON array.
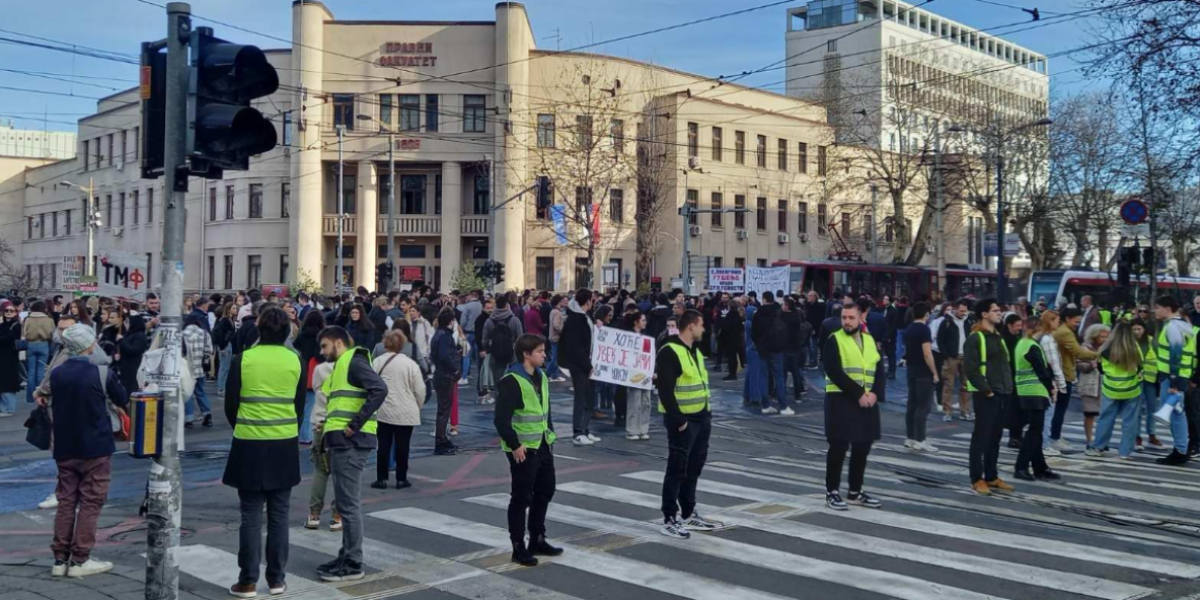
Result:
[{"x": 355, "y": 392}]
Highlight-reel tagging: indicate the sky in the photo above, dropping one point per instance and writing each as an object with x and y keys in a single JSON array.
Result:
[{"x": 726, "y": 46}]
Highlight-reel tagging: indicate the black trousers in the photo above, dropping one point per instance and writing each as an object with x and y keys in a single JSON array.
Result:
[
  {"x": 250, "y": 542},
  {"x": 399, "y": 437},
  {"x": 938, "y": 361},
  {"x": 444, "y": 389},
  {"x": 620, "y": 403},
  {"x": 1031, "y": 444},
  {"x": 889, "y": 349},
  {"x": 688, "y": 451},
  {"x": 793, "y": 363},
  {"x": 836, "y": 457},
  {"x": 1015, "y": 419},
  {"x": 533, "y": 485},
  {"x": 735, "y": 354},
  {"x": 985, "y": 439},
  {"x": 1191, "y": 410}
]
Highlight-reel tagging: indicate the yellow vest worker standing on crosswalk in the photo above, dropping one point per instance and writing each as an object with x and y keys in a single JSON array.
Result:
[
  {"x": 685, "y": 400},
  {"x": 264, "y": 395},
  {"x": 527, "y": 438},
  {"x": 851, "y": 406},
  {"x": 355, "y": 392},
  {"x": 990, "y": 380}
]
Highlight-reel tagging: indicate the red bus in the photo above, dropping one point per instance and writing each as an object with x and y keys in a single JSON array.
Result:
[{"x": 832, "y": 277}]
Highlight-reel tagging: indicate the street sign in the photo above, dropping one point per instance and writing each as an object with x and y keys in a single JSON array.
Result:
[
  {"x": 1141, "y": 230},
  {"x": 1134, "y": 212},
  {"x": 1012, "y": 244}
]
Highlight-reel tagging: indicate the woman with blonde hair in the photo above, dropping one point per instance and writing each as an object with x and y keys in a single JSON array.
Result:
[
  {"x": 1048, "y": 321},
  {"x": 1094, "y": 338},
  {"x": 1121, "y": 391}
]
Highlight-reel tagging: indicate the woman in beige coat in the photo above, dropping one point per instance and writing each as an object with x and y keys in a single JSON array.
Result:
[{"x": 401, "y": 412}]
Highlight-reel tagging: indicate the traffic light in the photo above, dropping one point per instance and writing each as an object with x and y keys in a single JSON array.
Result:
[
  {"x": 485, "y": 271},
  {"x": 223, "y": 131},
  {"x": 545, "y": 193},
  {"x": 383, "y": 274},
  {"x": 498, "y": 271},
  {"x": 153, "y": 92}
]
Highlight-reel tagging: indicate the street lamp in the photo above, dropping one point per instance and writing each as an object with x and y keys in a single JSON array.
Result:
[
  {"x": 91, "y": 220},
  {"x": 391, "y": 226}
]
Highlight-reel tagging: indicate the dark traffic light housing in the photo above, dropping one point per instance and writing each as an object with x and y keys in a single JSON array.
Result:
[
  {"x": 545, "y": 193},
  {"x": 224, "y": 131}
]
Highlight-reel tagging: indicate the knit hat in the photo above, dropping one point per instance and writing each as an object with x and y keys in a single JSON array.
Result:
[{"x": 78, "y": 338}]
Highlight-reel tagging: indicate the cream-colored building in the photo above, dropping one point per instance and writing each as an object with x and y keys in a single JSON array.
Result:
[{"x": 474, "y": 113}]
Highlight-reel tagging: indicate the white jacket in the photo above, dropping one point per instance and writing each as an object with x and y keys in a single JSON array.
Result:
[
  {"x": 406, "y": 389},
  {"x": 422, "y": 332},
  {"x": 1054, "y": 359}
]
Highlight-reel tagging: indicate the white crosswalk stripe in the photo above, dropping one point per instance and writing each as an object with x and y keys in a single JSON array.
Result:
[{"x": 219, "y": 567}]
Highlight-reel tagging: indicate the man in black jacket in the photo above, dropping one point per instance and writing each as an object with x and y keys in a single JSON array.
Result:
[
  {"x": 575, "y": 353},
  {"x": 951, "y": 335},
  {"x": 769, "y": 333},
  {"x": 814, "y": 311},
  {"x": 247, "y": 334},
  {"x": 656, "y": 319},
  {"x": 851, "y": 409},
  {"x": 989, "y": 373},
  {"x": 447, "y": 365}
]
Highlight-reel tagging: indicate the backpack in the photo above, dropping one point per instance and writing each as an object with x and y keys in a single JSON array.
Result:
[
  {"x": 501, "y": 344},
  {"x": 775, "y": 338}
]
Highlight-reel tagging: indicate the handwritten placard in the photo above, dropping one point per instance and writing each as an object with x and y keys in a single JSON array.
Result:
[{"x": 623, "y": 357}]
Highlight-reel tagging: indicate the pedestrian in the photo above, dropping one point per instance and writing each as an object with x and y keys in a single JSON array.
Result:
[
  {"x": 360, "y": 328},
  {"x": 1089, "y": 378},
  {"x": 247, "y": 331},
  {"x": 769, "y": 333},
  {"x": 853, "y": 384},
  {"x": 893, "y": 319},
  {"x": 1176, "y": 338},
  {"x": 83, "y": 449},
  {"x": 485, "y": 384},
  {"x": 1048, "y": 323},
  {"x": 10, "y": 359},
  {"x": 557, "y": 318},
  {"x": 446, "y": 364},
  {"x": 922, "y": 378},
  {"x": 401, "y": 411},
  {"x": 1071, "y": 353},
  {"x": 990, "y": 381},
  {"x": 1035, "y": 381},
  {"x": 1120, "y": 390},
  {"x": 469, "y": 312},
  {"x": 605, "y": 392},
  {"x": 814, "y": 311},
  {"x": 37, "y": 329},
  {"x": 355, "y": 393},
  {"x": 319, "y": 455},
  {"x": 498, "y": 338},
  {"x": 576, "y": 355},
  {"x": 198, "y": 348},
  {"x": 638, "y": 401},
  {"x": 308, "y": 346},
  {"x": 223, "y": 333},
  {"x": 263, "y": 404},
  {"x": 684, "y": 399},
  {"x": 732, "y": 339},
  {"x": 527, "y": 437},
  {"x": 131, "y": 346},
  {"x": 755, "y": 387},
  {"x": 951, "y": 336},
  {"x": 1149, "y": 399},
  {"x": 798, "y": 332}
]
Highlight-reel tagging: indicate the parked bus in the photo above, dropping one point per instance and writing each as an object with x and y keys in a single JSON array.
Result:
[
  {"x": 831, "y": 277},
  {"x": 1104, "y": 288}
]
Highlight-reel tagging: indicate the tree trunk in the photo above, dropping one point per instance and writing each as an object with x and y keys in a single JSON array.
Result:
[
  {"x": 1102, "y": 251},
  {"x": 919, "y": 248},
  {"x": 1180, "y": 250},
  {"x": 900, "y": 226}
]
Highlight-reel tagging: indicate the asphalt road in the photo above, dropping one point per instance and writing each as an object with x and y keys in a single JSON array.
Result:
[{"x": 1112, "y": 530}]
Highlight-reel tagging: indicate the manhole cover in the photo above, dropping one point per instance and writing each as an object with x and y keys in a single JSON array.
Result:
[{"x": 140, "y": 532}]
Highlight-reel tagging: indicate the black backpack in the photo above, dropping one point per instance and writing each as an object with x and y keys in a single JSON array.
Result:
[
  {"x": 501, "y": 344},
  {"x": 775, "y": 337}
]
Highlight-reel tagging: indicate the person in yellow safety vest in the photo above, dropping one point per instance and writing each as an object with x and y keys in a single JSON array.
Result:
[
  {"x": 354, "y": 392},
  {"x": 1035, "y": 387},
  {"x": 1147, "y": 345},
  {"x": 990, "y": 381},
  {"x": 1120, "y": 391},
  {"x": 1106, "y": 316},
  {"x": 684, "y": 398},
  {"x": 264, "y": 398},
  {"x": 1176, "y": 354},
  {"x": 852, "y": 393},
  {"x": 527, "y": 438}
]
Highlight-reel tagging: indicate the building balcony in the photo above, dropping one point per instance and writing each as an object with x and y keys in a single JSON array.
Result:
[
  {"x": 330, "y": 225},
  {"x": 473, "y": 225},
  {"x": 476, "y": 225}
]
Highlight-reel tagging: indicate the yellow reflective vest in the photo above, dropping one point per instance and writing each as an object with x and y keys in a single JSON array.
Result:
[
  {"x": 858, "y": 363},
  {"x": 532, "y": 420},
  {"x": 267, "y": 410},
  {"x": 691, "y": 389},
  {"x": 345, "y": 400}
]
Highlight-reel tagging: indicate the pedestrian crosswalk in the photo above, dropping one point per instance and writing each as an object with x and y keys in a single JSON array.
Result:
[{"x": 777, "y": 541}]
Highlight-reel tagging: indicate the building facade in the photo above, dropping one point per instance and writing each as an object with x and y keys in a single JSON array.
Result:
[{"x": 32, "y": 143}]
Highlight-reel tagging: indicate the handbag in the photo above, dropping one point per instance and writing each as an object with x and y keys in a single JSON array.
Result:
[
  {"x": 40, "y": 429},
  {"x": 121, "y": 424}
]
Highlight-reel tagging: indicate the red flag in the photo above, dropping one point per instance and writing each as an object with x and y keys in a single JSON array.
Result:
[{"x": 596, "y": 223}]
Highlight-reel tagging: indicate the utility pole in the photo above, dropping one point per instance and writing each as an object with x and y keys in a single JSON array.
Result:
[
  {"x": 90, "y": 266},
  {"x": 1001, "y": 286},
  {"x": 940, "y": 217},
  {"x": 341, "y": 218},
  {"x": 391, "y": 228},
  {"x": 165, "y": 488},
  {"x": 874, "y": 236}
]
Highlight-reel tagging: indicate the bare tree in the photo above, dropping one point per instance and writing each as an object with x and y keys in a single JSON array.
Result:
[{"x": 13, "y": 277}]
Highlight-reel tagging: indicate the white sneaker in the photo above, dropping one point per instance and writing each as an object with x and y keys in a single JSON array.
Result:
[
  {"x": 968, "y": 417},
  {"x": 911, "y": 444},
  {"x": 1094, "y": 452},
  {"x": 947, "y": 418},
  {"x": 5, "y": 415},
  {"x": 593, "y": 438},
  {"x": 770, "y": 410},
  {"x": 633, "y": 437},
  {"x": 1062, "y": 445},
  {"x": 582, "y": 440},
  {"x": 1050, "y": 451},
  {"x": 51, "y": 501},
  {"x": 787, "y": 412},
  {"x": 463, "y": 381},
  {"x": 926, "y": 446},
  {"x": 644, "y": 437},
  {"x": 59, "y": 569},
  {"x": 91, "y": 567}
]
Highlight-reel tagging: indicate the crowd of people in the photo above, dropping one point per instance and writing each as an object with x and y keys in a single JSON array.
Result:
[{"x": 345, "y": 377}]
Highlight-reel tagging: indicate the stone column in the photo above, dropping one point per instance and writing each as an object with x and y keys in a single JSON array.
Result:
[
  {"x": 305, "y": 235},
  {"x": 366, "y": 250},
  {"x": 452, "y": 210},
  {"x": 514, "y": 39}
]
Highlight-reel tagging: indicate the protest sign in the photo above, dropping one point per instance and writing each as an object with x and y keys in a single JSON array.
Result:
[
  {"x": 726, "y": 279},
  {"x": 122, "y": 275},
  {"x": 766, "y": 279},
  {"x": 622, "y": 357}
]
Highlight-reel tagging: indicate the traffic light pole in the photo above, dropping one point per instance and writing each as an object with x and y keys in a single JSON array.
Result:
[
  {"x": 165, "y": 489},
  {"x": 391, "y": 228},
  {"x": 90, "y": 219},
  {"x": 341, "y": 221}
]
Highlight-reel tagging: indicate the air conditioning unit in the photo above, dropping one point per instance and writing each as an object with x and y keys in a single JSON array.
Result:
[
  {"x": 742, "y": 234},
  {"x": 783, "y": 238},
  {"x": 694, "y": 230},
  {"x": 120, "y": 165},
  {"x": 118, "y": 231},
  {"x": 693, "y": 162},
  {"x": 803, "y": 238}
]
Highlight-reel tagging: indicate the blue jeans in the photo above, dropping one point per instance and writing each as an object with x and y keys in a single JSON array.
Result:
[
  {"x": 223, "y": 368},
  {"x": 1128, "y": 410},
  {"x": 37, "y": 356},
  {"x": 200, "y": 397},
  {"x": 776, "y": 373},
  {"x": 1179, "y": 429},
  {"x": 466, "y": 372},
  {"x": 306, "y": 434},
  {"x": 813, "y": 350},
  {"x": 552, "y": 361},
  {"x": 1149, "y": 406},
  {"x": 8, "y": 402}
]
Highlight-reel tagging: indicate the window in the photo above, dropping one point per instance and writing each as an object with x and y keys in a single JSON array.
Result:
[
  {"x": 474, "y": 113},
  {"x": 583, "y": 131},
  {"x": 739, "y": 262},
  {"x": 229, "y": 202},
  {"x": 381, "y": 251},
  {"x": 285, "y": 199},
  {"x": 108, "y": 209},
  {"x": 482, "y": 195},
  {"x": 783, "y": 207},
  {"x": 112, "y": 157},
  {"x": 67, "y": 222},
  {"x": 256, "y": 201},
  {"x": 693, "y": 140},
  {"x": 715, "y": 203},
  {"x": 124, "y": 146},
  {"x": 437, "y": 195},
  {"x": 254, "y": 271},
  {"x": 616, "y": 205},
  {"x": 739, "y": 218},
  {"x": 544, "y": 278},
  {"x": 802, "y": 221},
  {"x": 431, "y": 112},
  {"x": 228, "y": 272},
  {"x": 545, "y": 131},
  {"x": 831, "y": 45},
  {"x": 889, "y": 231},
  {"x": 760, "y": 152},
  {"x": 349, "y": 195},
  {"x": 150, "y": 205},
  {"x": 717, "y": 140},
  {"x": 381, "y": 198},
  {"x": 716, "y": 262},
  {"x": 385, "y": 109},
  {"x": 412, "y": 251},
  {"x": 583, "y": 203},
  {"x": 137, "y": 207},
  {"x": 617, "y": 130},
  {"x": 343, "y": 111},
  {"x": 693, "y": 202},
  {"x": 99, "y": 152},
  {"x": 782, "y": 158},
  {"x": 121, "y": 210},
  {"x": 410, "y": 112},
  {"x": 212, "y": 273},
  {"x": 760, "y": 214},
  {"x": 845, "y": 225},
  {"x": 822, "y": 161},
  {"x": 212, "y": 204},
  {"x": 29, "y": 233},
  {"x": 54, "y": 224},
  {"x": 347, "y": 251},
  {"x": 287, "y": 128},
  {"x": 822, "y": 218},
  {"x": 135, "y": 148},
  {"x": 87, "y": 158},
  {"x": 412, "y": 194},
  {"x": 802, "y": 157},
  {"x": 739, "y": 147}
]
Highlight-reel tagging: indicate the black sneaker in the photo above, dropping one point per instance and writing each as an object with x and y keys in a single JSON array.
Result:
[
  {"x": 379, "y": 484},
  {"x": 346, "y": 571},
  {"x": 541, "y": 547},
  {"x": 329, "y": 566},
  {"x": 1023, "y": 475},
  {"x": 446, "y": 450},
  {"x": 1175, "y": 458},
  {"x": 522, "y": 556},
  {"x": 834, "y": 501},
  {"x": 403, "y": 484},
  {"x": 1047, "y": 475},
  {"x": 188, "y": 425},
  {"x": 1014, "y": 444},
  {"x": 864, "y": 500},
  {"x": 207, "y": 422}
]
